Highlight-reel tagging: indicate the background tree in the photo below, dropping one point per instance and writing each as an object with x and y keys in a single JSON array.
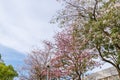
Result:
[
  {"x": 100, "y": 22},
  {"x": 36, "y": 64},
  {"x": 7, "y": 72}
]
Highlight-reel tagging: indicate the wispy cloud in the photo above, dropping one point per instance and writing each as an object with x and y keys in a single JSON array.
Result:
[{"x": 24, "y": 23}]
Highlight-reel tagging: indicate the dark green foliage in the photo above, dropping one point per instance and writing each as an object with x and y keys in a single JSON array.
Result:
[{"x": 7, "y": 72}]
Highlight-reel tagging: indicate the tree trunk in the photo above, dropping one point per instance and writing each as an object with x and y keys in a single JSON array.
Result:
[
  {"x": 118, "y": 70},
  {"x": 79, "y": 77},
  {"x": 119, "y": 75}
]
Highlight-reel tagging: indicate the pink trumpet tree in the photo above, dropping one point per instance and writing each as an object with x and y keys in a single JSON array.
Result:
[{"x": 71, "y": 57}]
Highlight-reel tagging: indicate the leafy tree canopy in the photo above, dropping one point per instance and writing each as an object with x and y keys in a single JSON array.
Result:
[{"x": 99, "y": 22}]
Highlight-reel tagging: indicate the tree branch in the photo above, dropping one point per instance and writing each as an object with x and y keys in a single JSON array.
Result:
[
  {"x": 104, "y": 58},
  {"x": 94, "y": 10}
]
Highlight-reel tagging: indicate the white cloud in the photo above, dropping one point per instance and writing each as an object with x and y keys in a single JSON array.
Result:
[{"x": 24, "y": 23}]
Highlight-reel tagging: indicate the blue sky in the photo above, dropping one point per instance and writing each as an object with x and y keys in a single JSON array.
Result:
[
  {"x": 23, "y": 26},
  {"x": 12, "y": 56}
]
